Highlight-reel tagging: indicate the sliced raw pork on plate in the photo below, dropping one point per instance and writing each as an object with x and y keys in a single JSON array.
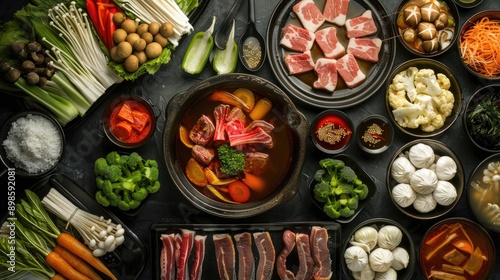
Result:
[
  {"x": 267, "y": 255},
  {"x": 348, "y": 68},
  {"x": 321, "y": 253},
  {"x": 365, "y": 48},
  {"x": 226, "y": 256},
  {"x": 335, "y": 11},
  {"x": 309, "y": 14},
  {"x": 326, "y": 70},
  {"x": 246, "y": 261},
  {"x": 299, "y": 63},
  {"x": 328, "y": 42},
  {"x": 288, "y": 244},
  {"x": 361, "y": 26},
  {"x": 297, "y": 38}
]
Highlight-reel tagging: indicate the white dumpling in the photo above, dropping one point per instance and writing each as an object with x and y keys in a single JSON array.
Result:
[
  {"x": 366, "y": 274},
  {"x": 403, "y": 194},
  {"x": 445, "y": 193},
  {"x": 421, "y": 155},
  {"x": 401, "y": 170},
  {"x": 424, "y": 181},
  {"x": 389, "y": 237},
  {"x": 368, "y": 236},
  {"x": 355, "y": 258},
  {"x": 446, "y": 168},
  {"x": 380, "y": 260},
  {"x": 390, "y": 274},
  {"x": 401, "y": 258},
  {"x": 424, "y": 203}
]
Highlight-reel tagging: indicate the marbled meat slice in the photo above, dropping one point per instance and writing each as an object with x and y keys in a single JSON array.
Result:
[
  {"x": 306, "y": 262},
  {"x": 184, "y": 253},
  {"x": 167, "y": 257},
  {"x": 309, "y": 14},
  {"x": 365, "y": 48},
  {"x": 296, "y": 38},
  {"x": 328, "y": 42},
  {"x": 288, "y": 245},
  {"x": 361, "y": 26},
  {"x": 335, "y": 11},
  {"x": 348, "y": 68},
  {"x": 246, "y": 261},
  {"x": 199, "y": 257},
  {"x": 267, "y": 127},
  {"x": 201, "y": 154},
  {"x": 267, "y": 255},
  {"x": 203, "y": 131},
  {"x": 320, "y": 253},
  {"x": 225, "y": 256},
  {"x": 326, "y": 71},
  {"x": 299, "y": 63},
  {"x": 220, "y": 114}
]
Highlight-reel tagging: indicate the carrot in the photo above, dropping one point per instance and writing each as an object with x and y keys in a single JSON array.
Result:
[
  {"x": 81, "y": 250},
  {"x": 239, "y": 192},
  {"x": 479, "y": 46},
  {"x": 77, "y": 263},
  {"x": 55, "y": 261},
  {"x": 256, "y": 183},
  {"x": 57, "y": 277},
  {"x": 122, "y": 130}
]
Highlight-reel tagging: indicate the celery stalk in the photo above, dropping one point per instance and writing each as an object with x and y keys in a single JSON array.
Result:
[
  {"x": 225, "y": 61},
  {"x": 198, "y": 51}
]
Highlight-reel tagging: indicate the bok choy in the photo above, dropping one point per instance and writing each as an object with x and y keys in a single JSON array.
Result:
[
  {"x": 199, "y": 49},
  {"x": 225, "y": 61}
]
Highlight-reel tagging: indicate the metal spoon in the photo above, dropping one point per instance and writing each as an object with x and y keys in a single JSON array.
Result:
[
  {"x": 252, "y": 45},
  {"x": 220, "y": 36}
]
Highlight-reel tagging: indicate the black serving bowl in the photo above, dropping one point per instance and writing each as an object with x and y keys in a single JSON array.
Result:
[
  {"x": 458, "y": 180},
  {"x": 4, "y": 131},
  {"x": 339, "y": 120},
  {"x": 295, "y": 125},
  {"x": 438, "y": 67},
  {"x": 362, "y": 175},
  {"x": 445, "y": 37},
  {"x": 467, "y": 4},
  {"x": 492, "y": 15},
  {"x": 374, "y": 134},
  {"x": 490, "y": 144},
  {"x": 406, "y": 243}
]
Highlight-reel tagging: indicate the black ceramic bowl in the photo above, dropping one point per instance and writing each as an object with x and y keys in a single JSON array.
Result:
[
  {"x": 4, "y": 134},
  {"x": 406, "y": 243},
  {"x": 476, "y": 235},
  {"x": 444, "y": 38},
  {"x": 341, "y": 127},
  {"x": 458, "y": 180},
  {"x": 467, "y": 4},
  {"x": 492, "y": 15},
  {"x": 362, "y": 175},
  {"x": 295, "y": 126},
  {"x": 106, "y": 119},
  {"x": 484, "y": 198},
  {"x": 438, "y": 67},
  {"x": 374, "y": 134},
  {"x": 489, "y": 144}
]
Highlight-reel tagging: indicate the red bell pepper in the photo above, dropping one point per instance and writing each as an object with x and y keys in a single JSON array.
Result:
[{"x": 101, "y": 14}]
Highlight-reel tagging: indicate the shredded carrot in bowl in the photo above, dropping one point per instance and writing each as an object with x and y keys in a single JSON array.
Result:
[{"x": 480, "y": 48}]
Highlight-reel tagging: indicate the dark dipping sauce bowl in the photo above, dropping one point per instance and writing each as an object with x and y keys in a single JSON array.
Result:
[
  {"x": 374, "y": 134},
  {"x": 341, "y": 132}
]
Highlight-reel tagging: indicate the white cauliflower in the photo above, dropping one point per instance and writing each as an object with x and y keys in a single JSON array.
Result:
[{"x": 420, "y": 98}]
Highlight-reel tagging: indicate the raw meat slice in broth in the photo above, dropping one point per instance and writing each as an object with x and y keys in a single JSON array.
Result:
[
  {"x": 365, "y": 48},
  {"x": 348, "y": 68},
  {"x": 335, "y": 11},
  {"x": 309, "y": 14},
  {"x": 328, "y": 42},
  {"x": 296, "y": 38},
  {"x": 267, "y": 255},
  {"x": 326, "y": 70},
  {"x": 246, "y": 261},
  {"x": 361, "y": 26}
]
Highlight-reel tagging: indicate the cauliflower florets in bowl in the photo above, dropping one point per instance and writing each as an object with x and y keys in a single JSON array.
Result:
[{"x": 423, "y": 97}]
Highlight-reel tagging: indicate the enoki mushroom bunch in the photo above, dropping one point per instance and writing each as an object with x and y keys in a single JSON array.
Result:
[{"x": 100, "y": 235}]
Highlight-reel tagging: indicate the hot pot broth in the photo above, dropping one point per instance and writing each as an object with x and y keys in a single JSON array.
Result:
[
  {"x": 280, "y": 155},
  {"x": 457, "y": 248}
]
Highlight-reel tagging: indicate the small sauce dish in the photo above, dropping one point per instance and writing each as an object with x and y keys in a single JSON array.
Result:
[
  {"x": 467, "y": 4},
  {"x": 374, "y": 134},
  {"x": 332, "y": 131}
]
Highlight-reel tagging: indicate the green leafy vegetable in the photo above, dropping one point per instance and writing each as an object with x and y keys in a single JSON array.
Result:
[
  {"x": 483, "y": 121},
  {"x": 232, "y": 161}
]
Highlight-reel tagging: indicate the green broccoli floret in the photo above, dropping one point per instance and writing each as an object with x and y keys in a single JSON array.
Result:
[
  {"x": 102, "y": 198},
  {"x": 349, "y": 175},
  {"x": 134, "y": 161},
  {"x": 361, "y": 191},
  {"x": 232, "y": 161},
  {"x": 353, "y": 203},
  {"x": 346, "y": 212},
  {"x": 343, "y": 199},
  {"x": 319, "y": 175},
  {"x": 140, "y": 194},
  {"x": 151, "y": 163},
  {"x": 114, "y": 199},
  {"x": 128, "y": 202},
  {"x": 332, "y": 209},
  {"x": 332, "y": 166},
  {"x": 343, "y": 188},
  {"x": 100, "y": 166},
  {"x": 153, "y": 188},
  {"x": 322, "y": 191},
  {"x": 114, "y": 158}
]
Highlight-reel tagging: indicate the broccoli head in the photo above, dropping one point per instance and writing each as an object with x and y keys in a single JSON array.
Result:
[
  {"x": 346, "y": 212},
  {"x": 322, "y": 191},
  {"x": 153, "y": 188},
  {"x": 140, "y": 194},
  {"x": 102, "y": 199},
  {"x": 232, "y": 161},
  {"x": 353, "y": 203},
  {"x": 332, "y": 209},
  {"x": 361, "y": 191},
  {"x": 332, "y": 166},
  {"x": 349, "y": 175}
]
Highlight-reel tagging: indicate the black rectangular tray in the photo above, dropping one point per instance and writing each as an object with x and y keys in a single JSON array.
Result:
[{"x": 275, "y": 229}]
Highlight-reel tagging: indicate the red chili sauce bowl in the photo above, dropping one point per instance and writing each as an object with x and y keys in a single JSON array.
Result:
[
  {"x": 332, "y": 131},
  {"x": 129, "y": 121}
]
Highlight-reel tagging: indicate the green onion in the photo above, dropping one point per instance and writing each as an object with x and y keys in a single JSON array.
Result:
[{"x": 198, "y": 51}]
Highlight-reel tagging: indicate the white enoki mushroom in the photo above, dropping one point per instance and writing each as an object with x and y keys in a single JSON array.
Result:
[
  {"x": 493, "y": 211},
  {"x": 100, "y": 235}
]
